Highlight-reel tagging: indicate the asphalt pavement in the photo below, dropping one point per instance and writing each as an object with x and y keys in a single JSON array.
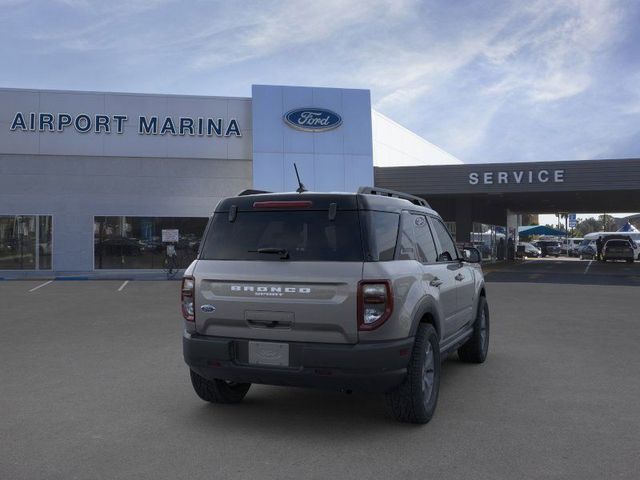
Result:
[{"x": 93, "y": 386}]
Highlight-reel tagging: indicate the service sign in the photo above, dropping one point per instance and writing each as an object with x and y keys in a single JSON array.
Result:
[
  {"x": 312, "y": 119},
  {"x": 517, "y": 177}
]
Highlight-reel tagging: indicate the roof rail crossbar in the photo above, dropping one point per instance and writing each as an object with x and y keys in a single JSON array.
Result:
[
  {"x": 384, "y": 192},
  {"x": 251, "y": 192}
]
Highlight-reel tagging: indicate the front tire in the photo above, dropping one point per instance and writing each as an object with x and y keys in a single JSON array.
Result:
[
  {"x": 415, "y": 400},
  {"x": 218, "y": 391},
  {"x": 476, "y": 348}
]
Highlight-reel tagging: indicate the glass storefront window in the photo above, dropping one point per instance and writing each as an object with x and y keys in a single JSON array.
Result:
[
  {"x": 25, "y": 242},
  {"x": 136, "y": 242}
]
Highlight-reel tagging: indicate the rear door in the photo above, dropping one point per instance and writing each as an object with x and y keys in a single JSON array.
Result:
[
  {"x": 281, "y": 274},
  {"x": 463, "y": 274},
  {"x": 438, "y": 277}
]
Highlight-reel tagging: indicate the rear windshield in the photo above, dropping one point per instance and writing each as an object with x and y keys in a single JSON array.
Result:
[
  {"x": 618, "y": 243},
  {"x": 304, "y": 235}
]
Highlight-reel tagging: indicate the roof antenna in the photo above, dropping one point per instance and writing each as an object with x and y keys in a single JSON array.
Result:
[{"x": 301, "y": 188}]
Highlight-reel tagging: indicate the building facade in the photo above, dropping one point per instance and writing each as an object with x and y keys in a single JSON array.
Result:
[{"x": 94, "y": 182}]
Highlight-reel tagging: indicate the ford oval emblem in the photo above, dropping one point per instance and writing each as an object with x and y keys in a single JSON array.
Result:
[
  {"x": 208, "y": 308},
  {"x": 312, "y": 119}
]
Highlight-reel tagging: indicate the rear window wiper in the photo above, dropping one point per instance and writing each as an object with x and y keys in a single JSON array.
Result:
[{"x": 283, "y": 252}]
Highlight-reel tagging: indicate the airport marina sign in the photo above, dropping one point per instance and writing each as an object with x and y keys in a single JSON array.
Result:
[
  {"x": 116, "y": 123},
  {"x": 516, "y": 177}
]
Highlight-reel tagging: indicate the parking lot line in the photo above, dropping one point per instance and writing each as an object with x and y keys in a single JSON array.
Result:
[
  {"x": 588, "y": 266},
  {"x": 40, "y": 286},
  {"x": 123, "y": 285}
]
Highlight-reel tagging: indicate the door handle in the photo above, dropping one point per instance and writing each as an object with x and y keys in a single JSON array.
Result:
[
  {"x": 436, "y": 282},
  {"x": 459, "y": 277}
]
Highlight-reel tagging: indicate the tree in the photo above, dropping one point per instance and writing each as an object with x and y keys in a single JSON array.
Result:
[
  {"x": 588, "y": 225},
  {"x": 607, "y": 221}
]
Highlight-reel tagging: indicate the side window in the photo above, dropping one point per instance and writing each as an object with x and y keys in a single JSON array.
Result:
[
  {"x": 383, "y": 228},
  {"x": 407, "y": 244},
  {"x": 424, "y": 240},
  {"x": 448, "y": 249}
]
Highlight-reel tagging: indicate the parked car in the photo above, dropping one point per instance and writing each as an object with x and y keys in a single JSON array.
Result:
[
  {"x": 574, "y": 244},
  {"x": 530, "y": 250},
  {"x": 548, "y": 248},
  {"x": 569, "y": 246},
  {"x": 587, "y": 249},
  {"x": 633, "y": 236},
  {"x": 618, "y": 250},
  {"x": 284, "y": 293}
]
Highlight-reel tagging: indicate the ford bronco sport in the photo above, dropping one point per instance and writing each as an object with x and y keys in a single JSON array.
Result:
[{"x": 349, "y": 291}]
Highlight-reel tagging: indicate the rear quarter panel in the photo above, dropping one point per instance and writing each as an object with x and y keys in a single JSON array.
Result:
[{"x": 408, "y": 296}]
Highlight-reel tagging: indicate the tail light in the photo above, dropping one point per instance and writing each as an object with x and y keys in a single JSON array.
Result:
[
  {"x": 187, "y": 299},
  {"x": 375, "y": 303}
]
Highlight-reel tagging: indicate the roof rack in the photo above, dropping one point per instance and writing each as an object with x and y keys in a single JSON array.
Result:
[
  {"x": 392, "y": 193},
  {"x": 251, "y": 192}
]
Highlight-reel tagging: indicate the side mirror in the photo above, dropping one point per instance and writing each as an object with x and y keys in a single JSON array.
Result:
[{"x": 471, "y": 255}]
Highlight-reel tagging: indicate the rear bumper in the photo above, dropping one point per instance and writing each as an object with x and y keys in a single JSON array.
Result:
[
  {"x": 369, "y": 367},
  {"x": 619, "y": 256}
]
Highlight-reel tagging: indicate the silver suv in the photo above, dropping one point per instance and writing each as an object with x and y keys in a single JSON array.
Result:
[{"x": 353, "y": 292}]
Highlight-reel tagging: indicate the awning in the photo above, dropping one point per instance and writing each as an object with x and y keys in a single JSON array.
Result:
[
  {"x": 627, "y": 227},
  {"x": 528, "y": 230}
]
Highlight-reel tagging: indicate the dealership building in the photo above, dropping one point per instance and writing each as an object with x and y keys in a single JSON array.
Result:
[{"x": 95, "y": 183}]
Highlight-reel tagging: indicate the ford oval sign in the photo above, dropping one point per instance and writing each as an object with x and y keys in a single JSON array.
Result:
[{"x": 312, "y": 119}]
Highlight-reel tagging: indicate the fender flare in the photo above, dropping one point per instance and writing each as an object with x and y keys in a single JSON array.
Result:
[
  {"x": 426, "y": 306},
  {"x": 481, "y": 291}
]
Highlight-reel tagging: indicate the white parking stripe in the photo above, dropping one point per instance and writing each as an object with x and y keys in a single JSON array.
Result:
[
  {"x": 40, "y": 286},
  {"x": 588, "y": 266},
  {"x": 123, "y": 285}
]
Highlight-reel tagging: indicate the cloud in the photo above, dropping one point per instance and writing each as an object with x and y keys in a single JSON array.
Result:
[
  {"x": 550, "y": 58},
  {"x": 484, "y": 80},
  {"x": 287, "y": 25}
]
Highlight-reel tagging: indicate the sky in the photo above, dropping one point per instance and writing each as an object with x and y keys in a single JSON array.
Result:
[
  {"x": 487, "y": 81},
  {"x": 548, "y": 219}
]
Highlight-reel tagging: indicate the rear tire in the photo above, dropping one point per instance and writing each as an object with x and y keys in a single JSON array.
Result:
[
  {"x": 415, "y": 400},
  {"x": 476, "y": 348},
  {"x": 218, "y": 391},
  {"x": 629, "y": 260}
]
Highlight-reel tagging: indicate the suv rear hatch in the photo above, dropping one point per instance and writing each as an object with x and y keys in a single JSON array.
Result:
[{"x": 284, "y": 268}]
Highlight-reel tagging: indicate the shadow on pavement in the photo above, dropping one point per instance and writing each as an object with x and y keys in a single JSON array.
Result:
[{"x": 317, "y": 414}]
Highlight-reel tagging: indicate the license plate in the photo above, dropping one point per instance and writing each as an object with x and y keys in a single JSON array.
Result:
[{"x": 268, "y": 353}]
